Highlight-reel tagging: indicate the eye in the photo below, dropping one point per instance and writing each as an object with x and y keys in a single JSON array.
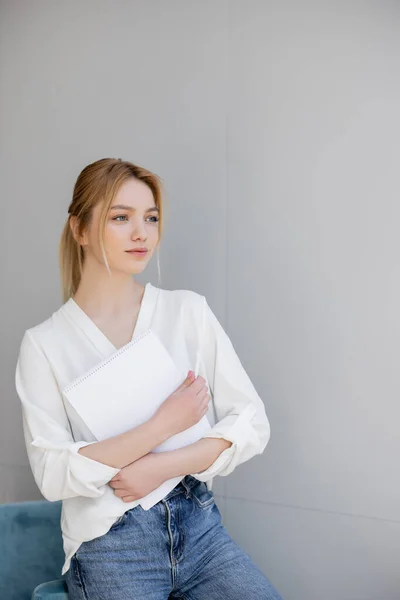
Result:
[{"x": 125, "y": 217}]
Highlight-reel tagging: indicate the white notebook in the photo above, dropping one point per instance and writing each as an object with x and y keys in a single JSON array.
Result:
[{"x": 125, "y": 390}]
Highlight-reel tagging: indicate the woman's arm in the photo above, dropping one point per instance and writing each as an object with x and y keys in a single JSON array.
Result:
[
  {"x": 144, "y": 475},
  {"x": 63, "y": 468},
  {"x": 123, "y": 449},
  {"x": 240, "y": 412},
  {"x": 241, "y": 432},
  {"x": 199, "y": 456}
]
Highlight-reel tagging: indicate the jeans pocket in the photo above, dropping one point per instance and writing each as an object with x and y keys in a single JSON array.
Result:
[{"x": 202, "y": 495}]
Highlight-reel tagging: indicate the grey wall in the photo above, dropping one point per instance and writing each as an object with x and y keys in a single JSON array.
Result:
[{"x": 275, "y": 126}]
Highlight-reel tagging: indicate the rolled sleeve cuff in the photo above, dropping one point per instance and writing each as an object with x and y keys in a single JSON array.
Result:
[
  {"x": 219, "y": 465},
  {"x": 235, "y": 429},
  {"x": 92, "y": 474}
]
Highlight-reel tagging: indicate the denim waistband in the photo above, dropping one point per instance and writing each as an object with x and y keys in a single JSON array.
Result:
[{"x": 184, "y": 485}]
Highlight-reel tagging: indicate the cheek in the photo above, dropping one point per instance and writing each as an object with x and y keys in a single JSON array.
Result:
[
  {"x": 153, "y": 233},
  {"x": 113, "y": 235}
]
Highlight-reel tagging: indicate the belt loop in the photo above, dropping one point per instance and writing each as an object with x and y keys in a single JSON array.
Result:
[{"x": 187, "y": 488}]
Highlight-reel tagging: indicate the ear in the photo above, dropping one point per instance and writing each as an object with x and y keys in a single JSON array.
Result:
[{"x": 74, "y": 224}]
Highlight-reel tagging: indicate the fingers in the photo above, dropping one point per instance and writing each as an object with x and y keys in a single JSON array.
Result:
[
  {"x": 115, "y": 484},
  {"x": 203, "y": 395},
  {"x": 121, "y": 492},
  {"x": 206, "y": 402},
  {"x": 199, "y": 384},
  {"x": 125, "y": 496}
]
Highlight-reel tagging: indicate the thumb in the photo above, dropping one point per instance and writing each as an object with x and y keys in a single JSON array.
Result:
[{"x": 186, "y": 381}]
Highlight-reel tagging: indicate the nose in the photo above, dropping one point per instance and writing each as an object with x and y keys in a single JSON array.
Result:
[{"x": 139, "y": 231}]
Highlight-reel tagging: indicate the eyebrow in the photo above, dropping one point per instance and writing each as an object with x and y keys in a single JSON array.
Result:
[{"x": 125, "y": 207}]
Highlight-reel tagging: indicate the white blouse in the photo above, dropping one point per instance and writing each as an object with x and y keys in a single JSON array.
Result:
[{"x": 67, "y": 344}]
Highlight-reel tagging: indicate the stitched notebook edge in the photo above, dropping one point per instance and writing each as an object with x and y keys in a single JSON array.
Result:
[{"x": 103, "y": 363}]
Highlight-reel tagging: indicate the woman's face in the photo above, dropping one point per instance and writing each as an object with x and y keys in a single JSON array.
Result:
[{"x": 132, "y": 222}]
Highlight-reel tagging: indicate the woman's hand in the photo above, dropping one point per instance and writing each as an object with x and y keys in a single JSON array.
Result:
[
  {"x": 139, "y": 478},
  {"x": 185, "y": 406}
]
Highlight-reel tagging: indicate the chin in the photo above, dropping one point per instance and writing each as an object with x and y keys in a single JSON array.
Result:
[{"x": 139, "y": 268}]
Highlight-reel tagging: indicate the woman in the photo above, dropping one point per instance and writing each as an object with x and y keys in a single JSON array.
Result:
[{"x": 114, "y": 549}]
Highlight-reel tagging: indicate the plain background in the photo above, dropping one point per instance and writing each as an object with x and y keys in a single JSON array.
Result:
[{"x": 275, "y": 127}]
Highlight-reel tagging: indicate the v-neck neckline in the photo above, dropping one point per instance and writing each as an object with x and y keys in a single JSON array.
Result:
[{"x": 96, "y": 335}]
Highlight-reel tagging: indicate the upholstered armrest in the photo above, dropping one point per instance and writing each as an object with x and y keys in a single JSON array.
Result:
[{"x": 51, "y": 590}]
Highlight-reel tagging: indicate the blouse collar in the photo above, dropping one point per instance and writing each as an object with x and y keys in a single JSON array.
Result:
[{"x": 72, "y": 310}]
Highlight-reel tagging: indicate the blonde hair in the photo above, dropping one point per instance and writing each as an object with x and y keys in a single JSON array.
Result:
[{"x": 98, "y": 182}]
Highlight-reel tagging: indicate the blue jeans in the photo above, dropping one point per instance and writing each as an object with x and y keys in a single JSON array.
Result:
[{"x": 176, "y": 549}]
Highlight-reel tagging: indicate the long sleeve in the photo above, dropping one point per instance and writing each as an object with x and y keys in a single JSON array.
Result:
[
  {"x": 59, "y": 470},
  {"x": 240, "y": 410}
]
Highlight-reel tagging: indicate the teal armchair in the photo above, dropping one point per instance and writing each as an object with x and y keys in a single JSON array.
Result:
[{"x": 31, "y": 551}]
